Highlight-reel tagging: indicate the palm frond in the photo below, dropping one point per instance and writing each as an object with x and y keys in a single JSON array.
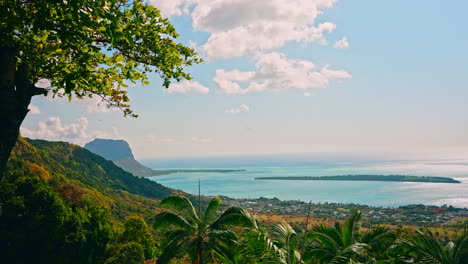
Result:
[
  {"x": 460, "y": 249},
  {"x": 210, "y": 212},
  {"x": 426, "y": 247},
  {"x": 166, "y": 219},
  {"x": 234, "y": 216},
  {"x": 328, "y": 237},
  {"x": 173, "y": 245},
  {"x": 180, "y": 204},
  {"x": 350, "y": 228}
]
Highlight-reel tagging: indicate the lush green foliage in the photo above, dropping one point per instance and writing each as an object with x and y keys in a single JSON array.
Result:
[
  {"x": 62, "y": 204},
  {"x": 41, "y": 226},
  {"x": 64, "y": 160},
  {"x": 423, "y": 247},
  {"x": 91, "y": 48},
  {"x": 197, "y": 234}
]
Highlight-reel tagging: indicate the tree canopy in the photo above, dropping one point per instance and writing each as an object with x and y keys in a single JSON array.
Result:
[{"x": 87, "y": 48}]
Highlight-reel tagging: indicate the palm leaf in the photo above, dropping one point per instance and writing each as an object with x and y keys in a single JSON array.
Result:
[
  {"x": 181, "y": 204},
  {"x": 350, "y": 228},
  {"x": 460, "y": 250},
  {"x": 425, "y": 246},
  {"x": 166, "y": 219},
  {"x": 173, "y": 245},
  {"x": 328, "y": 237},
  {"x": 210, "y": 213},
  {"x": 235, "y": 216}
]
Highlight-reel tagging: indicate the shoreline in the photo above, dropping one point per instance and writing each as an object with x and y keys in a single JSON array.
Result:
[{"x": 384, "y": 178}]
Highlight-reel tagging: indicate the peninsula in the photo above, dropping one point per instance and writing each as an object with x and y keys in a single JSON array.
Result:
[
  {"x": 120, "y": 153},
  {"x": 392, "y": 178}
]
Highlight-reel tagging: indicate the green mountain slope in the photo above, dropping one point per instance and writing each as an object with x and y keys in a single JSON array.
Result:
[
  {"x": 61, "y": 159},
  {"x": 63, "y": 204}
]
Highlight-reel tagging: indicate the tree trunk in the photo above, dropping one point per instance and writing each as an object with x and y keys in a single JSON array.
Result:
[{"x": 16, "y": 91}]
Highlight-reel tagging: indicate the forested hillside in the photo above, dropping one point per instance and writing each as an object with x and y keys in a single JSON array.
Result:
[
  {"x": 60, "y": 203},
  {"x": 64, "y": 160}
]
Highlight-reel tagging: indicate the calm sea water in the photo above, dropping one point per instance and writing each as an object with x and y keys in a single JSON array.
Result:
[{"x": 243, "y": 185}]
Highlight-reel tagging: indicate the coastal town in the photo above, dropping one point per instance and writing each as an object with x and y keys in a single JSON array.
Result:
[{"x": 409, "y": 215}]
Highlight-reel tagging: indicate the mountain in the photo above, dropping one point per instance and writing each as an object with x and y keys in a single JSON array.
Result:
[
  {"x": 119, "y": 152},
  {"x": 64, "y": 204},
  {"x": 60, "y": 160}
]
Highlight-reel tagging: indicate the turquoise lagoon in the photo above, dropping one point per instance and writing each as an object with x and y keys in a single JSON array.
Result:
[{"x": 386, "y": 194}]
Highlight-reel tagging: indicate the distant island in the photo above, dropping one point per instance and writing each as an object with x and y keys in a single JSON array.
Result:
[
  {"x": 119, "y": 152},
  {"x": 392, "y": 178}
]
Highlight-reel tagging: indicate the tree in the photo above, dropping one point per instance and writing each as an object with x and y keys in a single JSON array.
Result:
[
  {"x": 380, "y": 242},
  {"x": 195, "y": 233},
  {"x": 38, "y": 225},
  {"x": 336, "y": 244},
  {"x": 424, "y": 247},
  {"x": 136, "y": 230},
  {"x": 128, "y": 253},
  {"x": 254, "y": 247},
  {"x": 84, "y": 49},
  {"x": 288, "y": 243}
]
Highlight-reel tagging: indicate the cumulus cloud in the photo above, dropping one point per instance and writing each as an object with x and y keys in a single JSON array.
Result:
[
  {"x": 307, "y": 94},
  {"x": 341, "y": 44},
  {"x": 77, "y": 132},
  {"x": 239, "y": 27},
  {"x": 234, "y": 111},
  {"x": 187, "y": 86},
  {"x": 34, "y": 110},
  {"x": 170, "y": 8},
  {"x": 274, "y": 71},
  {"x": 91, "y": 105}
]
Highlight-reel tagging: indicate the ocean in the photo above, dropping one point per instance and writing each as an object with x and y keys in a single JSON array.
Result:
[{"x": 384, "y": 194}]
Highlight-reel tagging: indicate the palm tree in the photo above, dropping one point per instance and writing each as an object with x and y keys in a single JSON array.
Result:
[
  {"x": 286, "y": 240},
  {"x": 197, "y": 234},
  {"x": 337, "y": 244},
  {"x": 424, "y": 247},
  {"x": 380, "y": 242},
  {"x": 258, "y": 247}
]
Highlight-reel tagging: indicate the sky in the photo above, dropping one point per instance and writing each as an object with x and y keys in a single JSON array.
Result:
[{"x": 293, "y": 76}]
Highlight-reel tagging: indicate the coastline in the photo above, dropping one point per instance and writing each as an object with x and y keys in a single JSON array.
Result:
[{"x": 384, "y": 178}]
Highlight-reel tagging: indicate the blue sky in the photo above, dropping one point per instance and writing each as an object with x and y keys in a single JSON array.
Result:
[{"x": 275, "y": 81}]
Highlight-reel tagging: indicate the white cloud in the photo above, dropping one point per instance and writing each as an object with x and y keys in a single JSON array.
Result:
[
  {"x": 242, "y": 108},
  {"x": 170, "y": 8},
  {"x": 307, "y": 94},
  {"x": 341, "y": 44},
  {"x": 187, "y": 86},
  {"x": 274, "y": 71},
  {"x": 43, "y": 83},
  {"x": 239, "y": 27},
  {"x": 91, "y": 105},
  {"x": 201, "y": 140},
  {"x": 76, "y": 132},
  {"x": 34, "y": 110}
]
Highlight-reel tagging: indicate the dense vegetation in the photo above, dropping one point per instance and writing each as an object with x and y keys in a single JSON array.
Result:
[
  {"x": 60, "y": 203},
  {"x": 397, "y": 178}
]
